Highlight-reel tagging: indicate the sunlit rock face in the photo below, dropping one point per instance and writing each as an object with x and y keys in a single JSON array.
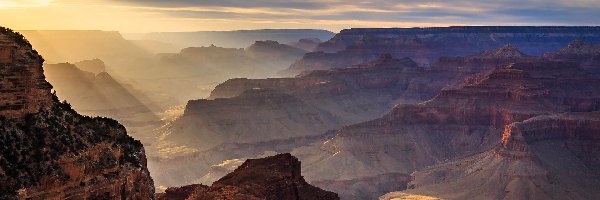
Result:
[
  {"x": 425, "y": 45},
  {"x": 271, "y": 178},
  {"x": 48, "y": 151}
]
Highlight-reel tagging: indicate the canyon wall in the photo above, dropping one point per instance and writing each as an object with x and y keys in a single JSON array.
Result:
[{"x": 425, "y": 45}]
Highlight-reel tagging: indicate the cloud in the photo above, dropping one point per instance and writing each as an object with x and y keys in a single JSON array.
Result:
[
  {"x": 187, "y": 15},
  {"x": 466, "y": 11}
]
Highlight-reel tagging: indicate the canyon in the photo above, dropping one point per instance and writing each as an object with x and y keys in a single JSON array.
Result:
[
  {"x": 448, "y": 113},
  {"x": 460, "y": 112}
]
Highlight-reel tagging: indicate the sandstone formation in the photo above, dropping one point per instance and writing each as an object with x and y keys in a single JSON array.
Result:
[
  {"x": 425, "y": 45},
  {"x": 271, "y": 178},
  {"x": 48, "y": 151}
]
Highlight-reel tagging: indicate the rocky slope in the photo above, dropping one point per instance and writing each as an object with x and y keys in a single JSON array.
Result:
[
  {"x": 270, "y": 178},
  {"x": 545, "y": 157},
  {"x": 48, "y": 151},
  {"x": 425, "y": 45},
  {"x": 456, "y": 123}
]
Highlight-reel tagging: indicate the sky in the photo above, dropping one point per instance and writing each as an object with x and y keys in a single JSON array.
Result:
[{"x": 137, "y": 16}]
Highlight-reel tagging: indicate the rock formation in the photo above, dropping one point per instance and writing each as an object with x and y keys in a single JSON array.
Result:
[
  {"x": 271, "y": 178},
  {"x": 545, "y": 157},
  {"x": 425, "y": 45},
  {"x": 456, "y": 123},
  {"x": 587, "y": 54},
  {"x": 24, "y": 89},
  {"x": 48, "y": 151}
]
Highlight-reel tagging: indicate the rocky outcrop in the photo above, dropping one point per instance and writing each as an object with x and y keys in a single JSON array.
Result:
[
  {"x": 48, "y": 151},
  {"x": 545, "y": 157},
  {"x": 425, "y": 45},
  {"x": 274, "y": 177},
  {"x": 23, "y": 87}
]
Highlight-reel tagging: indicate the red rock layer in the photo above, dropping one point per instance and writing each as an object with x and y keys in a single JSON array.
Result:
[{"x": 271, "y": 178}]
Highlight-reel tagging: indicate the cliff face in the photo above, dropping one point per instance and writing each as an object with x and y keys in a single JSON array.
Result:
[
  {"x": 48, "y": 151},
  {"x": 545, "y": 157},
  {"x": 425, "y": 45},
  {"x": 24, "y": 89},
  {"x": 270, "y": 178}
]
